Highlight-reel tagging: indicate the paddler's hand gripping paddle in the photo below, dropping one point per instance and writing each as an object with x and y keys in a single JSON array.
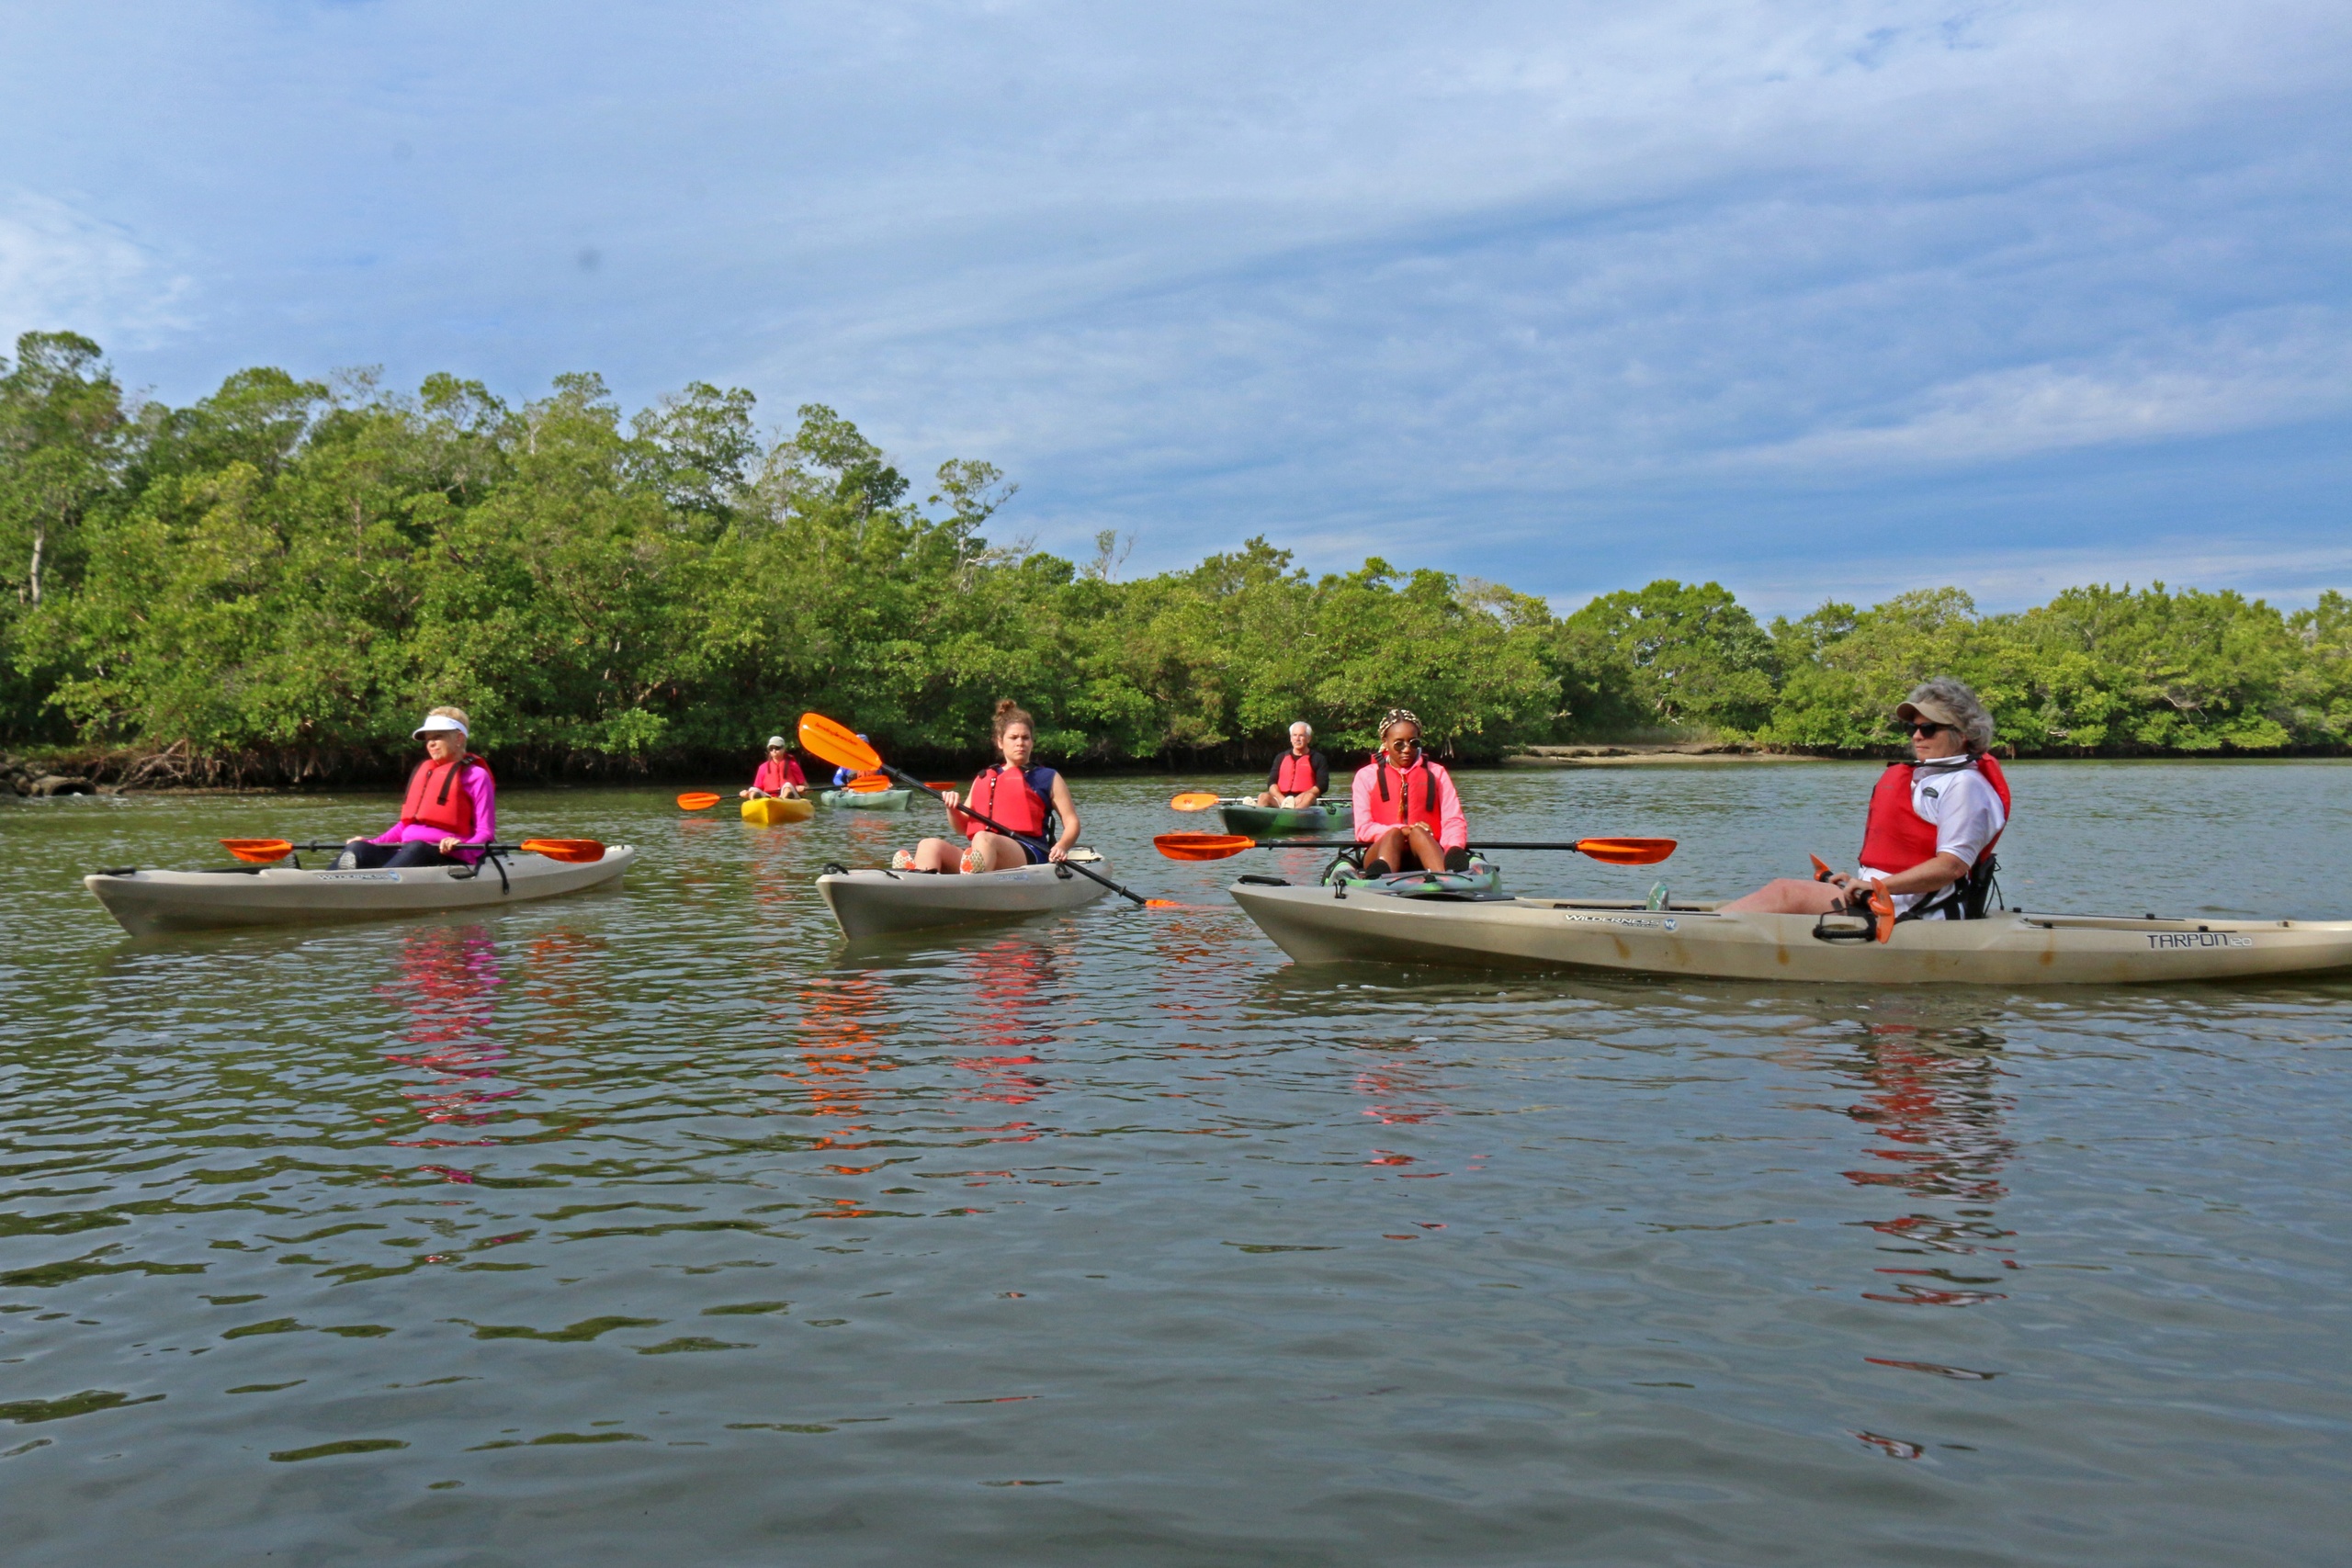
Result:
[
  {"x": 839, "y": 744},
  {"x": 1877, "y": 901}
]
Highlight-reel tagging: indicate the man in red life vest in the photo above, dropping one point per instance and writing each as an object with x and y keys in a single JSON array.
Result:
[
  {"x": 1932, "y": 820},
  {"x": 1300, "y": 776},
  {"x": 1406, "y": 812},
  {"x": 780, "y": 777},
  {"x": 452, "y": 804}
]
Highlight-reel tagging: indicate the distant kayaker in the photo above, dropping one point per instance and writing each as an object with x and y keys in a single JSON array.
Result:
[
  {"x": 1932, "y": 821},
  {"x": 452, "y": 803},
  {"x": 1033, "y": 802},
  {"x": 1406, "y": 811},
  {"x": 1300, "y": 776},
  {"x": 778, "y": 778}
]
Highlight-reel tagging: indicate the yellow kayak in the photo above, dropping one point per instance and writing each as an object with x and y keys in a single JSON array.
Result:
[{"x": 768, "y": 813}]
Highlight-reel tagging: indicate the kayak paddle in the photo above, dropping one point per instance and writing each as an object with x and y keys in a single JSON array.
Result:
[
  {"x": 1880, "y": 903},
  {"x": 839, "y": 744},
  {"x": 1222, "y": 846},
  {"x": 1200, "y": 800},
  {"x": 575, "y": 852}
]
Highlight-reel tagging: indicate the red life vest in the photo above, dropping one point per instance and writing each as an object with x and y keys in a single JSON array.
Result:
[
  {"x": 1397, "y": 812},
  {"x": 1295, "y": 775},
  {"x": 1895, "y": 836},
  {"x": 1015, "y": 799},
  {"x": 773, "y": 776},
  {"x": 435, "y": 798}
]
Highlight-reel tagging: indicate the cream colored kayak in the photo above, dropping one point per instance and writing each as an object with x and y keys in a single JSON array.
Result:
[
  {"x": 150, "y": 902},
  {"x": 2011, "y": 948},
  {"x": 876, "y": 903}
]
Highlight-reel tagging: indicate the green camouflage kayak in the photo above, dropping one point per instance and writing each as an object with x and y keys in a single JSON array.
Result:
[
  {"x": 875, "y": 800},
  {"x": 1281, "y": 821}
]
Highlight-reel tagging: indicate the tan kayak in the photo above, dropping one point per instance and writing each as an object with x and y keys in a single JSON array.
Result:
[
  {"x": 2009, "y": 948},
  {"x": 149, "y": 902}
]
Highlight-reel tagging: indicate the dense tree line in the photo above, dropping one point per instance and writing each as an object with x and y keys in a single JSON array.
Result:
[{"x": 274, "y": 581}]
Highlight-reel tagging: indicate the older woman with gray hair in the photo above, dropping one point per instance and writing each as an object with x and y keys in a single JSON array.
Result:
[{"x": 1929, "y": 840}]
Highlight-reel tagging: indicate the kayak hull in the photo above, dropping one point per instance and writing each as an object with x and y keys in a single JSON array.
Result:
[
  {"x": 1275, "y": 821},
  {"x": 883, "y": 903},
  {"x": 875, "y": 800},
  {"x": 151, "y": 903},
  {"x": 771, "y": 813},
  {"x": 2009, "y": 949}
]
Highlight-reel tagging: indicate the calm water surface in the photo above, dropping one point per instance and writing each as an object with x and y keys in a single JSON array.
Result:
[{"x": 658, "y": 1226}]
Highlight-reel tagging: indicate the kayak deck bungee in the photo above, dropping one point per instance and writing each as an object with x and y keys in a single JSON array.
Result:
[
  {"x": 1479, "y": 880},
  {"x": 774, "y": 811},
  {"x": 1326, "y": 925},
  {"x": 1258, "y": 822},
  {"x": 147, "y": 903},
  {"x": 879, "y": 903},
  {"x": 867, "y": 800}
]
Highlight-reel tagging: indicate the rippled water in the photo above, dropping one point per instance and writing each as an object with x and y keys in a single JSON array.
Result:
[{"x": 656, "y": 1226}]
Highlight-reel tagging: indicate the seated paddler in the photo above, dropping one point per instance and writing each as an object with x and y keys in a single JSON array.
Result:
[
  {"x": 451, "y": 809},
  {"x": 778, "y": 778},
  {"x": 1933, "y": 821},
  {"x": 1406, "y": 812},
  {"x": 1031, "y": 805},
  {"x": 1300, "y": 776}
]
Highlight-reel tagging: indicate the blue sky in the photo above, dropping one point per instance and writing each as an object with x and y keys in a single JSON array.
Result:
[{"x": 1816, "y": 299}]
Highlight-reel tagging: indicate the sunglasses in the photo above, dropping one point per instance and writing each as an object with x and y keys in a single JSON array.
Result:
[
  {"x": 1923, "y": 727},
  {"x": 1402, "y": 743}
]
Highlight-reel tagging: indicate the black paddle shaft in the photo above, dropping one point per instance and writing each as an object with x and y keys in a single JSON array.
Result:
[{"x": 913, "y": 783}]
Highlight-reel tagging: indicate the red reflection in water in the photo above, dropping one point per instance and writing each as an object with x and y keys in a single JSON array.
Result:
[
  {"x": 449, "y": 980},
  {"x": 1934, "y": 1107},
  {"x": 1010, "y": 983},
  {"x": 839, "y": 1053}
]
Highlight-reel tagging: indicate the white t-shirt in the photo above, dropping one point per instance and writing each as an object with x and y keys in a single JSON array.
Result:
[{"x": 1966, "y": 811}]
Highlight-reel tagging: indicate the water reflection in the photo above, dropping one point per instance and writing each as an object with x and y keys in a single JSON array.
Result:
[
  {"x": 447, "y": 982},
  {"x": 1009, "y": 990},
  {"x": 1934, "y": 1099}
]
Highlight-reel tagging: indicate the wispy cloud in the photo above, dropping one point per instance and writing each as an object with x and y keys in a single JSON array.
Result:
[{"x": 60, "y": 268}]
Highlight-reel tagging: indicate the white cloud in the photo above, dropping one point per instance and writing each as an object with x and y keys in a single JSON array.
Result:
[
  {"x": 2270, "y": 372},
  {"x": 62, "y": 270}
]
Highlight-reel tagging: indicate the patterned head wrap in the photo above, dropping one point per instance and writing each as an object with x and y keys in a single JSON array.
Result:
[{"x": 1396, "y": 716}]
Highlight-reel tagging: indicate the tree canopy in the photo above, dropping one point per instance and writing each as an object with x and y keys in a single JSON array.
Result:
[{"x": 281, "y": 576}]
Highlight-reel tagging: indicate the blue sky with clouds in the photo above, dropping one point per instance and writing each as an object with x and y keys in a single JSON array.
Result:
[{"x": 1819, "y": 298}]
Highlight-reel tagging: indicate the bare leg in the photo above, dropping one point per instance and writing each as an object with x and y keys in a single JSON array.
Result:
[
  {"x": 1788, "y": 895},
  {"x": 938, "y": 855},
  {"x": 1270, "y": 798},
  {"x": 1425, "y": 850},
  {"x": 999, "y": 853}
]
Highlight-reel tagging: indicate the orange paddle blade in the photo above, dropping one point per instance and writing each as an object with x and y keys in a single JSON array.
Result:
[
  {"x": 697, "y": 800},
  {"x": 1203, "y": 846},
  {"x": 1626, "y": 851},
  {"x": 868, "y": 784},
  {"x": 259, "y": 851},
  {"x": 934, "y": 784},
  {"x": 837, "y": 744},
  {"x": 1821, "y": 871},
  {"x": 1192, "y": 801},
  {"x": 1882, "y": 908},
  {"x": 578, "y": 852}
]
